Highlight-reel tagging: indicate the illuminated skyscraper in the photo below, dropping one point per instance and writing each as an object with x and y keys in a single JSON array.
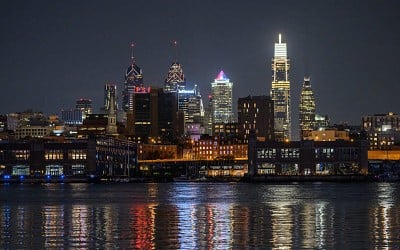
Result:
[
  {"x": 221, "y": 90},
  {"x": 280, "y": 91},
  {"x": 175, "y": 79},
  {"x": 306, "y": 109},
  {"x": 133, "y": 80}
]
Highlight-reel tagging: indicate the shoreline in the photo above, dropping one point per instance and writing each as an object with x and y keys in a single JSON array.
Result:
[{"x": 246, "y": 179}]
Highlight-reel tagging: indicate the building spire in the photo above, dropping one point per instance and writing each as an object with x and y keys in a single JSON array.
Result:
[
  {"x": 133, "y": 53},
  {"x": 280, "y": 38},
  {"x": 176, "y": 50}
]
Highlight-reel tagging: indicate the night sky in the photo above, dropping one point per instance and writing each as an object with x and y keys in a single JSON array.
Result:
[{"x": 54, "y": 52}]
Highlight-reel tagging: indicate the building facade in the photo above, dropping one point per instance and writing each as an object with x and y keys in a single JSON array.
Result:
[
  {"x": 256, "y": 113},
  {"x": 221, "y": 89},
  {"x": 383, "y": 130},
  {"x": 84, "y": 105},
  {"x": 101, "y": 156},
  {"x": 306, "y": 109},
  {"x": 218, "y": 148},
  {"x": 280, "y": 92},
  {"x": 307, "y": 157}
]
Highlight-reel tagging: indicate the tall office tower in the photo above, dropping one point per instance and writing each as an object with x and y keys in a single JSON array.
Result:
[
  {"x": 383, "y": 130},
  {"x": 280, "y": 92},
  {"x": 306, "y": 109},
  {"x": 175, "y": 78},
  {"x": 84, "y": 105},
  {"x": 110, "y": 91},
  {"x": 154, "y": 117},
  {"x": 221, "y": 90},
  {"x": 133, "y": 80},
  {"x": 256, "y": 114},
  {"x": 190, "y": 104}
]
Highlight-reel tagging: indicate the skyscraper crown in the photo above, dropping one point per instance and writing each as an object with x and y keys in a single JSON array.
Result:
[
  {"x": 221, "y": 76},
  {"x": 280, "y": 49}
]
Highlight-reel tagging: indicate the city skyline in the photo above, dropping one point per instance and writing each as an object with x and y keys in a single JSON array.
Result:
[{"x": 56, "y": 53}]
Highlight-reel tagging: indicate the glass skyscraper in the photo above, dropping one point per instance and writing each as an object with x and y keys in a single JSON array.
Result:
[
  {"x": 221, "y": 90},
  {"x": 306, "y": 109},
  {"x": 280, "y": 91},
  {"x": 133, "y": 81}
]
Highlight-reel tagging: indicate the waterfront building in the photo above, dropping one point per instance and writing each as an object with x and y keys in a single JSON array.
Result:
[
  {"x": 306, "y": 109},
  {"x": 256, "y": 113},
  {"x": 101, "y": 156},
  {"x": 218, "y": 148},
  {"x": 157, "y": 152},
  {"x": 133, "y": 82},
  {"x": 280, "y": 92},
  {"x": 307, "y": 157},
  {"x": 221, "y": 90},
  {"x": 382, "y": 130}
]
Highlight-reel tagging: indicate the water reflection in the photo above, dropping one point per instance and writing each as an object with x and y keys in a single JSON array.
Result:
[
  {"x": 200, "y": 216},
  {"x": 385, "y": 217}
]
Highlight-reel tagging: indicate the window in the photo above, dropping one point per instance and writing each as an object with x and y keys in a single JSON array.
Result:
[{"x": 53, "y": 154}]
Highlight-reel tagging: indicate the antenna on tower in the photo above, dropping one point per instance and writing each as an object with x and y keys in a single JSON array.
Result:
[
  {"x": 280, "y": 38},
  {"x": 176, "y": 50},
  {"x": 133, "y": 53}
]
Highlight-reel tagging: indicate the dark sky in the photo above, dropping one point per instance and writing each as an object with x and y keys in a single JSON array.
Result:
[{"x": 54, "y": 52}]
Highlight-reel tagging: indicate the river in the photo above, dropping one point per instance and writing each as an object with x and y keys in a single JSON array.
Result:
[{"x": 200, "y": 215}]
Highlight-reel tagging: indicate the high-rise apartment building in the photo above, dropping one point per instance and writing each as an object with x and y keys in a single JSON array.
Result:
[
  {"x": 256, "y": 114},
  {"x": 306, "y": 109},
  {"x": 280, "y": 92},
  {"x": 221, "y": 90}
]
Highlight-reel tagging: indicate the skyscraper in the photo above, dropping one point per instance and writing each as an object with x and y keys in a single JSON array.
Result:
[
  {"x": 306, "y": 109},
  {"x": 280, "y": 91},
  {"x": 175, "y": 79},
  {"x": 221, "y": 90},
  {"x": 133, "y": 80}
]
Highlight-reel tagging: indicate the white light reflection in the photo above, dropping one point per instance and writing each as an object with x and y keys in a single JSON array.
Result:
[{"x": 382, "y": 218}]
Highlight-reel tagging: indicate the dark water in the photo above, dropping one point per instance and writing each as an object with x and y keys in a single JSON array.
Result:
[{"x": 200, "y": 215}]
